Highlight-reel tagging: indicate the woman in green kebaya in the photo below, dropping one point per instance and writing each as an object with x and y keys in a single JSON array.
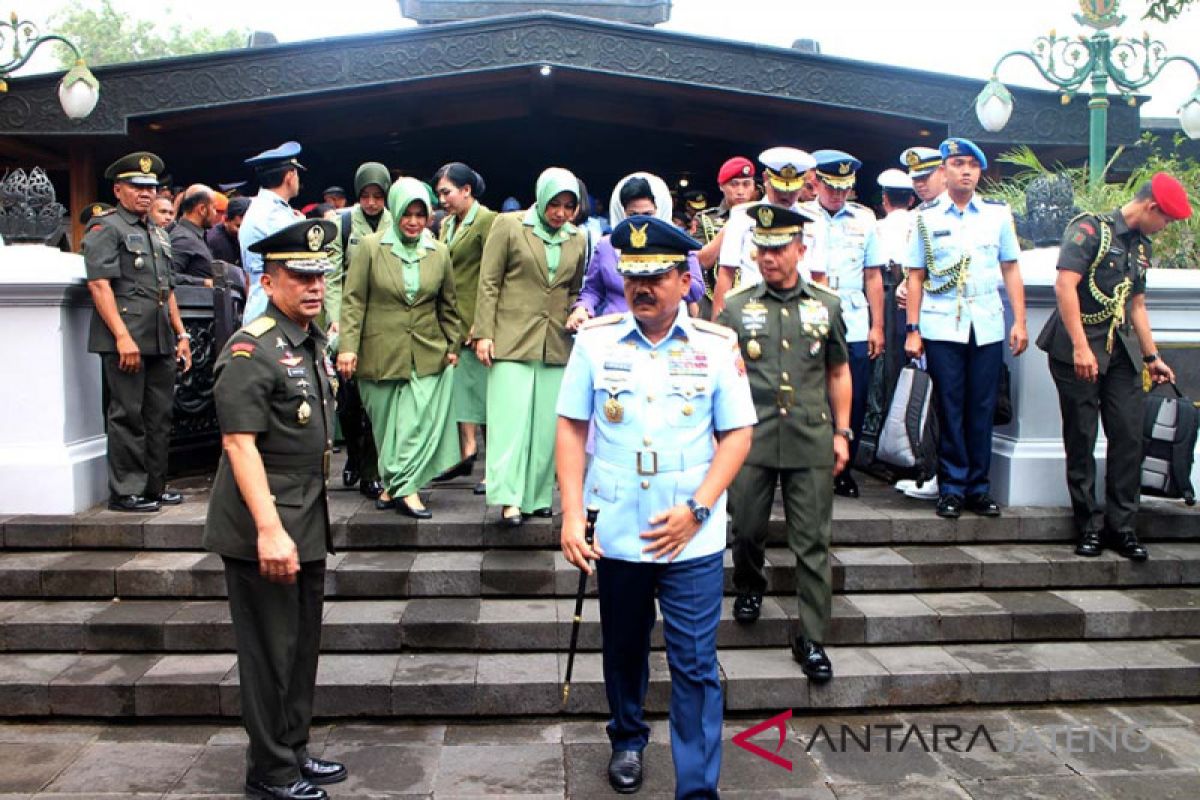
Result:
[
  {"x": 400, "y": 332},
  {"x": 530, "y": 275}
]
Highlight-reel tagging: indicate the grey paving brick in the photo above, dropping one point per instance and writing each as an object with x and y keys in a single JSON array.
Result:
[
  {"x": 373, "y": 574},
  {"x": 762, "y": 679},
  {"x": 165, "y": 574},
  {"x": 109, "y": 529},
  {"x": 200, "y": 625},
  {"x": 25, "y": 681},
  {"x": 1036, "y": 788},
  {"x": 1068, "y": 569},
  {"x": 526, "y": 681},
  {"x": 453, "y": 574},
  {"x": 444, "y": 622},
  {"x": 494, "y": 770},
  {"x": 87, "y": 574},
  {"x": 1174, "y": 785},
  {"x": 773, "y": 628},
  {"x": 1155, "y": 668},
  {"x": 130, "y": 626},
  {"x": 521, "y": 624},
  {"x": 517, "y": 572},
  {"x": 386, "y": 770},
  {"x": 38, "y": 531},
  {"x": 1110, "y": 614},
  {"x": 1076, "y": 671},
  {"x": 183, "y": 685},
  {"x": 1010, "y": 566},
  {"x": 434, "y": 684},
  {"x": 859, "y": 681},
  {"x": 895, "y": 618},
  {"x": 926, "y": 675},
  {"x": 1039, "y": 615},
  {"x": 566, "y": 578},
  {"x": 872, "y": 569},
  {"x": 943, "y": 567},
  {"x": 1184, "y": 555},
  {"x": 218, "y": 769},
  {"x": 99, "y": 686},
  {"x": 51, "y": 625},
  {"x": 968, "y": 616},
  {"x": 113, "y": 767},
  {"x": 1000, "y": 673},
  {"x": 176, "y": 527},
  {"x": 367, "y": 625},
  {"x": 21, "y": 573},
  {"x": 504, "y": 733},
  {"x": 355, "y": 685},
  {"x": 28, "y": 766}
]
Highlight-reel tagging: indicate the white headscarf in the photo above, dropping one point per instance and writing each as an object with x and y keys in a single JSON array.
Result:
[{"x": 662, "y": 198}]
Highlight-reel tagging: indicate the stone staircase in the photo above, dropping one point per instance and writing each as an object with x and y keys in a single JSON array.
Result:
[{"x": 103, "y": 614}]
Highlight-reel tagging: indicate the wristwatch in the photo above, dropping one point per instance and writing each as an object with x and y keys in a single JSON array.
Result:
[
  {"x": 184, "y": 335},
  {"x": 849, "y": 434},
  {"x": 912, "y": 327},
  {"x": 1150, "y": 359},
  {"x": 701, "y": 513}
]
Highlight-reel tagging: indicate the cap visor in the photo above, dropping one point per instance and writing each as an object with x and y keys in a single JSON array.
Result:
[
  {"x": 837, "y": 181},
  {"x": 785, "y": 185},
  {"x": 771, "y": 239},
  {"x": 646, "y": 269}
]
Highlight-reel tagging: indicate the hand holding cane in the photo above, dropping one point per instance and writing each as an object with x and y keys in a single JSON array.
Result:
[{"x": 589, "y": 536}]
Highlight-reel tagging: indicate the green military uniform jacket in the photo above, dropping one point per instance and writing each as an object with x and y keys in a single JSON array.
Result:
[
  {"x": 394, "y": 338},
  {"x": 273, "y": 379},
  {"x": 520, "y": 306},
  {"x": 789, "y": 339},
  {"x": 335, "y": 281},
  {"x": 1128, "y": 256},
  {"x": 466, "y": 251},
  {"x": 134, "y": 255}
]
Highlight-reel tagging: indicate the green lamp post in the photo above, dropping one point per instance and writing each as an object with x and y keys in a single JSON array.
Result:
[
  {"x": 1070, "y": 62},
  {"x": 79, "y": 90}
]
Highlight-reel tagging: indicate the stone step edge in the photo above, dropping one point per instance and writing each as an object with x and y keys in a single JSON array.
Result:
[
  {"x": 497, "y": 624},
  {"x": 501, "y": 684}
]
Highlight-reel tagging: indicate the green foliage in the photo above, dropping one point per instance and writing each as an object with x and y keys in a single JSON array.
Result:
[
  {"x": 1165, "y": 10},
  {"x": 1175, "y": 247},
  {"x": 105, "y": 35}
]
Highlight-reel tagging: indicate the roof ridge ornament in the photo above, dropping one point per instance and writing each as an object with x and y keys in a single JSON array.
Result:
[{"x": 1100, "y": 14}]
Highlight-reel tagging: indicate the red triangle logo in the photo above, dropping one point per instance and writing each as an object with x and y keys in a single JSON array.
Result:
[{"x": 778, "y": 721}]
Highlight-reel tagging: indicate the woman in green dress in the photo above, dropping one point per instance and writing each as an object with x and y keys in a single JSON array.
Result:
[
  {"x": 465, "y": 230},
  {"x": 400, "y": 332},
  {"x": 529, "y": 277}
]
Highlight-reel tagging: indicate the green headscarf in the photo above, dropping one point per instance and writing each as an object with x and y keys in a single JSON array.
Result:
[
  {"x": 405, "y": 192},
  {"x": 552, "y": 182},
  {"x": 372, "y": 172}
]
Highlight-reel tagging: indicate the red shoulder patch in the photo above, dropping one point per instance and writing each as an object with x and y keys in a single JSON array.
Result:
[
  {"x": 95, "y": 228},
  {"x": 1087, "y": 228},
  {"x": 243, "y": 349}
]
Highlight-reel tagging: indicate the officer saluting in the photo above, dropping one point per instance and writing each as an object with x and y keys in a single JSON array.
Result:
[
  {"x": 1095, "y": 338},
  {"x": 793, "y": 336},
  {"x": 268, "y": 516},
  {"x": 138, "y": 333},
  {"x": 656, "y": 385}
]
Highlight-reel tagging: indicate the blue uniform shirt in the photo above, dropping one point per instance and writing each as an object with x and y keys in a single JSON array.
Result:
[
  {"x": 654, "y": 408},
  {"x": 984, "y": 231},
  {"x": 844, "y": 244},
  {"x": 268, "y": 213}
]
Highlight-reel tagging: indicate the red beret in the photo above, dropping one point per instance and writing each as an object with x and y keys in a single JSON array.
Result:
[
  {"x": 736, "y": 167},
  {"x": 1170, "y": 195}
]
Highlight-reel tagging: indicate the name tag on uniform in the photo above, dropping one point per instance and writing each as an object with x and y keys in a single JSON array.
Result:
[
  {"x": 296, "y": 372},
  {"x": 618, "y": 365},
  {"x": 941, "y": 233},
  {"x": 135, "y": 242}
]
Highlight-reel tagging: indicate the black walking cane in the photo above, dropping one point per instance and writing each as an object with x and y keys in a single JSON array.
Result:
[{"x": 589, "y": 535}]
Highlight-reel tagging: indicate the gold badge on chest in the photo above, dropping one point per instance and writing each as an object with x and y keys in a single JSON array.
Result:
[
  {"x": 753, "y": 350},
  {"x": 613, "y": 410},
  {"x": 304, "y": 413}
]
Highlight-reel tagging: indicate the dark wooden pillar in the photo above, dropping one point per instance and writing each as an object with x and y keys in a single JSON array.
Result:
[{"x": 83, "y": 187}]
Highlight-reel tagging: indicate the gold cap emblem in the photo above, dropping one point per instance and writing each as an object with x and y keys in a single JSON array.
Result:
[
  {"x": 638, "y": 236},
  {"x": 844, "y": 168},
  {"x": 788, "y": 172},
  {"x": 952, "y": 146},
  {"x": 96, "y": 209},
  {"x": 316, "y": 237},
  {"x": 144, "y": 163},
  {"x": 765, "y": 217},
  {"x": 911, "y": 158}
]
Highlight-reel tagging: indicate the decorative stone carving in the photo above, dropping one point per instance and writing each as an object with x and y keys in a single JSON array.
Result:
[
  {"x": 634, "y": 12},
  {"x": 29, "y": 210},
  {"x": 1049, "y": 206}
]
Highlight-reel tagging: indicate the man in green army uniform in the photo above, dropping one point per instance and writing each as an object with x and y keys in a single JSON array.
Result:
[
  {"x": 1098, "y": 338},
  {"x": 372, "y": 181},
  {"x": 268, "y": 517},
  {"x": 793, "y": 340},
  {"x": 138, "y": 333}
]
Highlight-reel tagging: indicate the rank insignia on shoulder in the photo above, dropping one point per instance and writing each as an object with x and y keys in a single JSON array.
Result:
[
  {"x": 259, "y": 326},
  {"x": 928, "y": 204},
  {"x": 823, "y": 288},
  {"x": 712, "y": 327},
  {"x": 745, "y": 287},
  {"x": 243, "y": 349},
  {"x": 599, "y": 322},
  {"x": 994, "y": 201}
]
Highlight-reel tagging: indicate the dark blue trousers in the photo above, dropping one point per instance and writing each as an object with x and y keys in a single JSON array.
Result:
[
  {"x": 965, "y": 381},
  {"x": 860, "y": 379},
  {"x": 689, "y": 594}
]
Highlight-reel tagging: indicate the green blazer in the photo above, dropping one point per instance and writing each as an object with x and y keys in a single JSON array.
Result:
[
  {"x": 466, "y": 252},
  {"x": 395, "y": 339},
  {"x": 519, "y": 306},
  {"x": 335, "y": 281}
]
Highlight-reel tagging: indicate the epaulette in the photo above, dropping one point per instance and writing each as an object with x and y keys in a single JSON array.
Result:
[
  {"x": 713, "y": 328},
  {"x": 993, "y": 201},
  {"x": 259, "y": 326},
  {"x": 745, "y": 287},
  {"x": 822, "y": 287},
  {"x": 104, "y": 213},
  {"x": 600, "y": 322},
  {"x": 928, "y": 204}
]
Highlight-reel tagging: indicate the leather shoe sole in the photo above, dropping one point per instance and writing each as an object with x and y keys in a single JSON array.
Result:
[{"x": 625, "y": 771}]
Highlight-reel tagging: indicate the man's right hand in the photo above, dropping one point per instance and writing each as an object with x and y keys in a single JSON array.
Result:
[
  {"x": 278, "y": 559},
  {"x": 129, "y": 353},
  {"x": 574, "y": 545},
  {"x": 1086, "y": 367},
  {"x": 577, "y": 318},
  {"x": 347, "y": 363},
  {"x": 913, "y": 346},
  {"x": 485, "y": 350}
]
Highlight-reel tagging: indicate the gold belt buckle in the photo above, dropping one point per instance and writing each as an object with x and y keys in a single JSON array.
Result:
[
  {"x": 653, "y": 454},
  {"x": 785, "y": 396},
  {"x": 325, "y": 463}
]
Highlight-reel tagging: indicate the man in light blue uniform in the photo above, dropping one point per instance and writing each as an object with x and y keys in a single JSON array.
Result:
[
  {"x": 278, "y": 174},
  {"x": 656, "y": 385},
  {"x": 962, "y": 248},
  {"x": 847, "y": 257}
]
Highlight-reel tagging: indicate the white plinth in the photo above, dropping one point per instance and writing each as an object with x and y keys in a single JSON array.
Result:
[
  {"x": 52, "y": 444},
  {"x": 1028, "y": 460}
]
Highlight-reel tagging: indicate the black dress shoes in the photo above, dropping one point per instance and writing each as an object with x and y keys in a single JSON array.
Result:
[
  {"x": 405, "y": 510},
  {"x": 812, "y": 660},
  {"x": 371, "y": 489},
  {"x": 170, "y": 497},
  {"x": 515, "y": 521},
  {"x": 385, "y": 505},
  {"x": 950, "y": 506},
  {"x": 1089, "y": 545},
  {"x": 321, "y": 772},
  {"x": 459, "y": 470},
  {"x": 480, "y": 488},
  {"x": 983, "y": 505},
  {"x": 1127, "y": 545},
  {"x": 349, "y": 477},
  {"x": 747, "y": 607},
  {"x": 543, "y": 513},
  {"x": 625, "y": 771},
  {"x": 133, "y": 502},
  {"x": 845, "y": 485},
  {"x": 300, "y": 790}
]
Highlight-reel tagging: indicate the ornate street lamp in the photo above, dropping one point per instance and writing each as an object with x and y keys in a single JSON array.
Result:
[
  {"x": 79, "y": 90},
  {"x": 1066, "y": 62}
]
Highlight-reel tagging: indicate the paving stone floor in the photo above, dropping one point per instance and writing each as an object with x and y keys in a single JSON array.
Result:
[{"x": 1125, "y": 751}]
